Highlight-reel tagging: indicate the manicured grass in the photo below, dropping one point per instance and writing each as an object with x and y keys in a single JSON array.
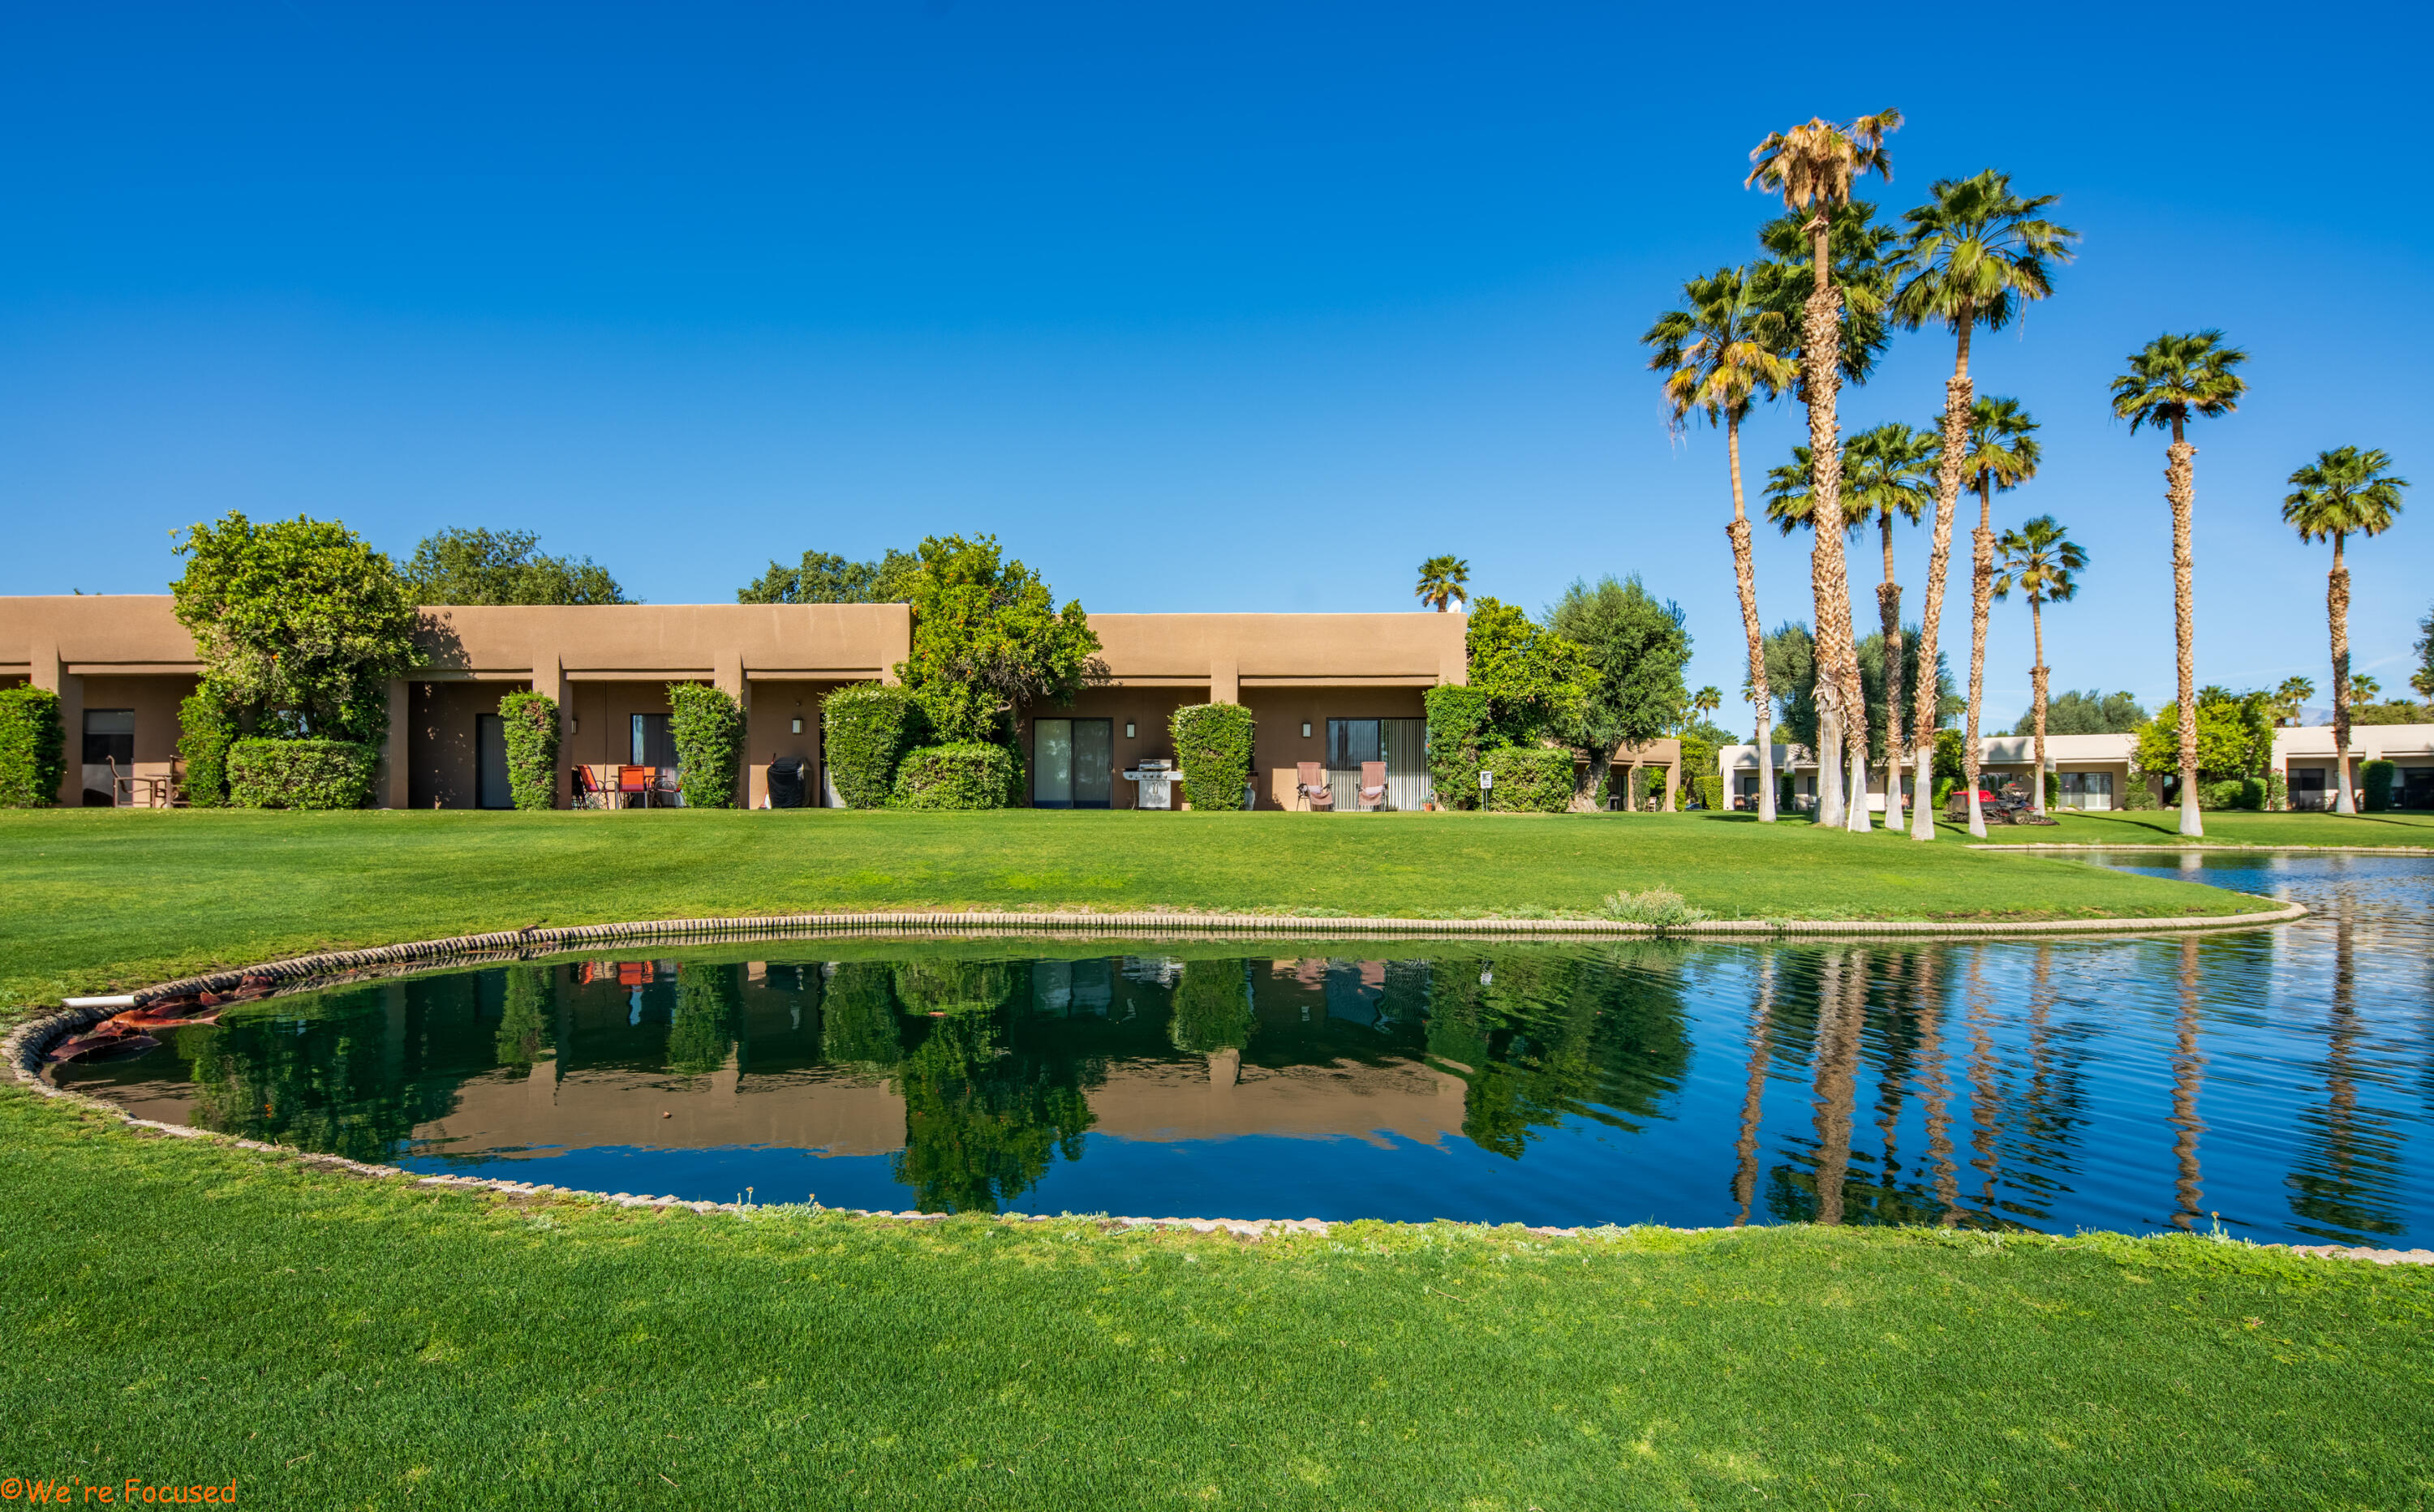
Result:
[
  {"x": 187, "y": 1313},
  {"x": 102, "y": 897},
  {"x": 2413, "y": 827}
]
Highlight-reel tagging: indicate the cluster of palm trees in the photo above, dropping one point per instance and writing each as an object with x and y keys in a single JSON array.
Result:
[{"x": 1972, "y": 256}]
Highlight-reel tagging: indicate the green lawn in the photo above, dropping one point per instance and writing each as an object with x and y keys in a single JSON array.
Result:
[
  {"x": 2411, "y": 828},
  {"x": 186, "y": 1313},
  {"x": 100, "y": 899}
]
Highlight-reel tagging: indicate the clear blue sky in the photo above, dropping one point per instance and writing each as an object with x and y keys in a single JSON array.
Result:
[{"x": 1198, "y": 307}]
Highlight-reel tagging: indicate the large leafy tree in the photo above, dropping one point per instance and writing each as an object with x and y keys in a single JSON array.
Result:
[
  {"x": 824, "y": 577},
  {"x": 2344, "y": 492},
  {"x": 2093, "y": 712},
  {"x": 2171, "y": 379},
  {"x": 1720, "y": 353},
  {"x": 2043, "y": 561},
  {"x": 1535, "y": 682},
  {"x": 504, "y": 567},
  {"x": 1634, "y": 646},
  {"x": 299, "y": 624},
  {"x": 1442, "y": 580},
  {"x": 2001, "y": 453},
  {"x": 1975, "y": 253},
  {"x": 1813, "y": 167},
  {"x": 988, "y": 641}
]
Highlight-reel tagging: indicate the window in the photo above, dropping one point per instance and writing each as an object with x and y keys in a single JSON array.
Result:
[
  {"x": 2091, "y": 790},
  {"x": 653, "y": 745},
  {"x": 1073, "y": 763},
  {"x": 491, "y": 790},
  {"x": 108, "y": 736}
]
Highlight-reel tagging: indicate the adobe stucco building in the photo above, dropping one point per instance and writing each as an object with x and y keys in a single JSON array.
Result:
[{"x": 1334, "y": 689}]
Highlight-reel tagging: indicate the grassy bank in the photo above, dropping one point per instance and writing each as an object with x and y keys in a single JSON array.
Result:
[
  {"x": 185, "y": 1313},
  {"x": 2414, "y": 827},
  {"x": 103, "y": 897}
]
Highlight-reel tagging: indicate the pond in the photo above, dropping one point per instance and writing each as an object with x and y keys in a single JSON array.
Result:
[{"x": 2276, "y": 1081}]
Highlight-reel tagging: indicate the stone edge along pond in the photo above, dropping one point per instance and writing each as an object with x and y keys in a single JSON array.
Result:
[{"x": 25, "y": 1045}]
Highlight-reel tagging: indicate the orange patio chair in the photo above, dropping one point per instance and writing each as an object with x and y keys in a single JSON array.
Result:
[{"x": 633, "y": 782}]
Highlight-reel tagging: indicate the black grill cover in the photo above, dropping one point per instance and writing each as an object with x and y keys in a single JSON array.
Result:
[{"x": 786, "y": 783}]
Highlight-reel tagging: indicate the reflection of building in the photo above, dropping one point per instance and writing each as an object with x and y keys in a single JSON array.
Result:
[{"x": 2095, "y": 769}]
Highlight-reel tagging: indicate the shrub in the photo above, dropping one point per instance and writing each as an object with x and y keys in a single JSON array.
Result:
[
  {"x": 707, "y": 728},
  {"x": 206, "y": 728},
  {"x": 1657, "y": 906},
  {"x": 1711, "y": 790},
  {"x": 2139, "y": 792},
  {"x": 1530, "y": 779},
  {"x": 1944, "y": 788},
  {"x": 1212, "y": 744},
  {"x": 1457, "y": 731},
  {"x": 2379, "y": 775},
  {"x": 2277, "y": 792},
  {"x": 2231, "y": 792},
  {"x": 866, "y": 730},
  {"x": 529, "y": 721},
  {"x": 33, "y": 750},
  {"x": 2053, "y": 790},
  {"x": 265, "y": 774},
  {"x": 967, "y": 774}
]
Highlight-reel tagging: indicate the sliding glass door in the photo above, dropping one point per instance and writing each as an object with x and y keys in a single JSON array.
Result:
[{"x": 1073, "y": 763}]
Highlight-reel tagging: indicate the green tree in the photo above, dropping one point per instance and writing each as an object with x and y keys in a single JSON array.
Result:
[
  {"x": 2344, "y": 492},
  {"x": 1442, "y": 580},
  {"x": 1634, "y": 647},
  {"x": 1813, "y": 167},
  {"x": 1723, "y": 350},
  {"x": 503, "y": 567},
  {"x": 1791, "y": 671},
  {"x": 988, "y": 641},
  {"x": 2231, "y": 742},
  {"x": 299, "y": 623},
  {"x": 2172, "y": 378},
  {"x": 2423, "y": 678},
  {"x": 824, "y": 577},
  {"x": 2043, "y": 563},
  {"x": 2291, "y": 699},
  {"x": 1975, "y": 253},
  {"x": 1706, "y": 702},
  {"x": 2093, "y": 712},
  {"x": 2364, "y": 689},
  {"x": 1535, "y": 681}
]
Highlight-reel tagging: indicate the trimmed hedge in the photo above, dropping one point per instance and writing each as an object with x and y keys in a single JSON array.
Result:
[
  {"x": 1711, "y": 790},
  {"x": 1530, "y": 779},
  {"x": 33, "y": 750},
  {"x": 2233, "y": 792},
  {"x": 707, "y": 728},
  {"x": 206, "y": 729},
  {"x": 1212, "y": 744},
  {"x": 1457, "y": 733},
  {"x": 266, "y": 773},
  {"x": 2380, "y": 778},
  {"x": 529, "y": 721},
  {"x": 964, "y": 775},
  {"x": 865, "y": 729},
  {"x": 2138, "y": 794}
]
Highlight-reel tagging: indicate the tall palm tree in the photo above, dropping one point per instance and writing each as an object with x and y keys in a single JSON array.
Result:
[
  {"x": 1719, "y": 354},
  {"x": 2344, "y": 492},
  {"x": 2170, "y": 379},
  {"x": 1442, "y": 580},
  {"x": 1885, "y": 473},
  {"x": 2001, "y": 454},
  {"x": 1705, "y": 703},
  {"x": 1974, "y": 255},
  {"x": 2043, "y": 563},
  {"x": 1813, "y": 167}
]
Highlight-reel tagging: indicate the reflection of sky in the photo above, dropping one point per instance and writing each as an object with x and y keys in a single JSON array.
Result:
[{"x": 2280, "y": 1079}]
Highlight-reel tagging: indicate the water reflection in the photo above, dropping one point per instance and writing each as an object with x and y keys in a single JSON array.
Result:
[{"x": 2278, "y": 1079}]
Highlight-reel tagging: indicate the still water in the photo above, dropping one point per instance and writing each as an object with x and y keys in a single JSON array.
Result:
[{"x": 2278, "y": 1081}]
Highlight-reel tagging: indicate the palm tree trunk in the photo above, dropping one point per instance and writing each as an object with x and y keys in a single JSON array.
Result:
[
  {"x": 1889, "y": 613},
  {"x": 2181, "y": 493},
  {"x": 2336, "y": 608},
  {"x": 1821, "y": 349},
  {"x": 1981, "y": 597},
  {"x": 1753, "y": 1095},
  {"x": 1958, "y": 397},
  {"x": 1745, "y": 578},
  {"x": 2037, "y": 695}
]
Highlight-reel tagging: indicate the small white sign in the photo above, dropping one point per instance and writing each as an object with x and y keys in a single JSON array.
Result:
[{"x": 1486, "y": 780}]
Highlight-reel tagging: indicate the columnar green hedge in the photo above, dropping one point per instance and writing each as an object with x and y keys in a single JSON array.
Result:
[
  {"x": 529, "y": 721},
  {"x": 1710, "y": 785},
  {"x": 1212, "y": 744},
  {"x": 33, "y": 751},
  {"x": 2380, "y": 778},
  {"x": 967, "y": 774},
  {"x": 206, "y": 728},
  {"x": 301, "y": 774},
  {"x": 707, "y": 728},
  {"x": 865, "y": 729},
  {"x": 1458, "y": 719},
  {"x": 1530, "y": 779}
]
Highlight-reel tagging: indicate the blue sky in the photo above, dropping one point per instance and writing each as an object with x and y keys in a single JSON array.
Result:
[{"x": 1198, "y": 307}]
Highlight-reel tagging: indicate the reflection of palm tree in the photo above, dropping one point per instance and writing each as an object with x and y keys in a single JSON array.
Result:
[
  {"x": 1754, "y": 1098},
  {"x": 2187, "y": 1067},
  {"x": 1841, "y": 999},
  {"x": 2353, "y": 1172},
  {"x": 1985, "y": 1111},
  {"x": 1935, "y": 1089}
]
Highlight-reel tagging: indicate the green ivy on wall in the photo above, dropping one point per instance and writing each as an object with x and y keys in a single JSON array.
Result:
[
  {"x": 529, "y": 721},
  {"x": 1212, "y": 744}
]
